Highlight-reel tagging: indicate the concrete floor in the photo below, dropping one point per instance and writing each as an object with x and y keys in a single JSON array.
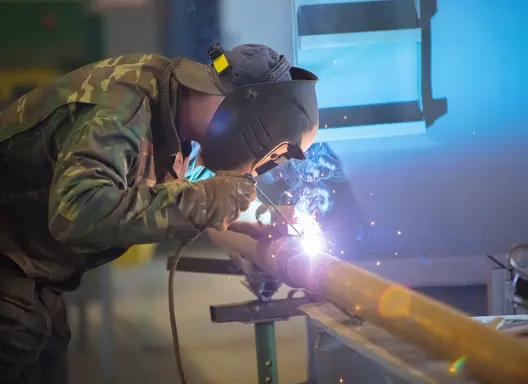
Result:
[{"x": 213, "y": 353}]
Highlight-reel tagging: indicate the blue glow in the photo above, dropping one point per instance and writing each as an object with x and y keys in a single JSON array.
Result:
[
  {"x": 305, "y": 180},
  {"x": 461, "y": 188},
  {"x": 309, "y": 186}
]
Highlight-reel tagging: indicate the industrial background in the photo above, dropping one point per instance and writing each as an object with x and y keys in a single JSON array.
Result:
[{"x": 421, "y": 161}]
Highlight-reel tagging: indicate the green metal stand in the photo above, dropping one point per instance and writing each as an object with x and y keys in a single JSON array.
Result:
[
  {"x": 263, "y": 314},
  {"x": 266, "y": 353}
]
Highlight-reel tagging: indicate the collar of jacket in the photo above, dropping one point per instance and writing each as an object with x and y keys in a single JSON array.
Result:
[{"x": 167, "y": 137}]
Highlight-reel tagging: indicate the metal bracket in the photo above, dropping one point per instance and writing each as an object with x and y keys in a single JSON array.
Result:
[
  {"x": 203, "y": 265},
  {"x": 263, "y": 289},
  {"x": 258, "y": 311}
]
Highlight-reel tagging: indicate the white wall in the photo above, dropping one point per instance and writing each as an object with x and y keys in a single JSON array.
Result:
[
  {"x": 259, "y": 22},
  {"x": 131, "y": 30}
]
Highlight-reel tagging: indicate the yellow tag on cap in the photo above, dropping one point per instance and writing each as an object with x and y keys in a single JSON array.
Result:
[{"x": 220, "y": 63}]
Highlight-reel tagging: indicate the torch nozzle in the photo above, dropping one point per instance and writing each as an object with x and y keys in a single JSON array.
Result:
[{"x": 272, "y": 205}]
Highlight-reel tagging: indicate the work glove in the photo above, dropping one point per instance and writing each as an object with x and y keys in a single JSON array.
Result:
[
  {"x": 268, "y": 217},
  {"x": 218, "y": 201},
  {"x": 268, "y": 224}
]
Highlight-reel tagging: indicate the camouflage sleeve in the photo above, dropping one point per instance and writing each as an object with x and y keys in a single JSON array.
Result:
[{"x": 92, "y": 207}]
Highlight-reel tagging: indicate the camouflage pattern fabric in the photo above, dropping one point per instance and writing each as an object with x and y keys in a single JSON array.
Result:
[
  {"x": 91, "y": 166},
  {"x": 107, "y": 82}
]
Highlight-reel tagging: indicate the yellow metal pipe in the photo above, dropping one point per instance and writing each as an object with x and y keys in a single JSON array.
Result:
[{"x": 442, "y": 331}]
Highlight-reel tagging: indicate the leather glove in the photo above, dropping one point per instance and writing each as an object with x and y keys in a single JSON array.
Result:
[
  {"x": 267, "y": 216},
  {"x": 269, "y": 224},
  {"x": 218, "y": 201}
]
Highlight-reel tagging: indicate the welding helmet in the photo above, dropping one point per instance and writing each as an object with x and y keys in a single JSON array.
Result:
[{"x": 268, "y": 106}]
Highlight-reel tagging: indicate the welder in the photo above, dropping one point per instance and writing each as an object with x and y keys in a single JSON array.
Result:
[{"x": 96, "y": 162}]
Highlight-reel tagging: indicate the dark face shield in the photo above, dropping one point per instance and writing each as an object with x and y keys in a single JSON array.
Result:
[{"x": 262, "y": 124}]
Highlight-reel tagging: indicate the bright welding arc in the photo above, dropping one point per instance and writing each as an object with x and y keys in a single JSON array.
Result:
[{"x": 313, "y": 244}]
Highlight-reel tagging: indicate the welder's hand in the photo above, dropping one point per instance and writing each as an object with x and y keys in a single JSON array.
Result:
[
  {"x": 218, "y": 201},
  {"x": 249, "y": 268},
  {"x": 254, "y": 230},
  {"x": 268, "y": 217},
  {"x": 269, "y": 224}
]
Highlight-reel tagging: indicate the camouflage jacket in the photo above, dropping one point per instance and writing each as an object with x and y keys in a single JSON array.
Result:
[{"x": 91, "y": 164}]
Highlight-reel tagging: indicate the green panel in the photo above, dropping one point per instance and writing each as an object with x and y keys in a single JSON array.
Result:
[
  {"x": 41, "y": 40},
  {"x": 50, "y": 33},
  {"x": 95, "y": 48}
]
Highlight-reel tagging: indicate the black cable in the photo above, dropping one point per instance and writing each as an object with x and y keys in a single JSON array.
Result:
[
  {"x": 497, "y": 262},
  {"x": 172, "y": 315}
]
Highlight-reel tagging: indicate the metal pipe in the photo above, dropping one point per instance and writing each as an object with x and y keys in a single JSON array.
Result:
[{"x": 442, "y": 331}]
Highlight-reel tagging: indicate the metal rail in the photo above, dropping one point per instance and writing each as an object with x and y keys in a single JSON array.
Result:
[{"x": 441, "y": 331}]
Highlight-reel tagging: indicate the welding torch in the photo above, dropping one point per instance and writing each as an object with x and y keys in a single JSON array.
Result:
[{"x": 272, "y": 205}]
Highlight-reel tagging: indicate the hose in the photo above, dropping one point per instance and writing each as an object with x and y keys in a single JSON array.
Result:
[{"x": 172, "y": 314}]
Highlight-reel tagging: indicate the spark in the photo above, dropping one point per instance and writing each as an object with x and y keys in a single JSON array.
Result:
[{"x": 313, "y": 240}]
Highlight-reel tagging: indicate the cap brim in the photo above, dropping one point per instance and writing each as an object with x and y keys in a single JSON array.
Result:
[{"x": 197, "y": 76}]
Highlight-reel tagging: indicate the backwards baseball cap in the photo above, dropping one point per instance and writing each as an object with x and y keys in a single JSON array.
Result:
[
  {"x": 243, "y": 65},
  {"x": 267, "y": 108}
]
